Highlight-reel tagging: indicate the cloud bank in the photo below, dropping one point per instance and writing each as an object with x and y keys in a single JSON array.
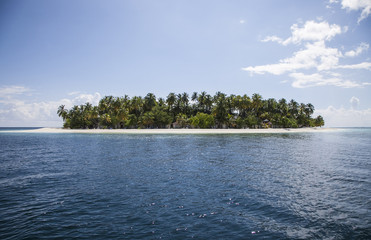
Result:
[
  {"x": 356, "y": 5},
  {"x": 314, "y": 56},
  {"x": 345, "y": 117},
  {"x": 17, "y": 111}
]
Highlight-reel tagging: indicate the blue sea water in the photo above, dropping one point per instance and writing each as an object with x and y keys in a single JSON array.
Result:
[{"x": 244, "y": 186}]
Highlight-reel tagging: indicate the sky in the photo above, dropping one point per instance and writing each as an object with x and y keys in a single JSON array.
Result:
[{"x": 76, "y": 51}]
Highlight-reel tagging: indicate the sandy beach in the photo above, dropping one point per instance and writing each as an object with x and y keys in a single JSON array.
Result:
[{"x": 176, "y": 131}]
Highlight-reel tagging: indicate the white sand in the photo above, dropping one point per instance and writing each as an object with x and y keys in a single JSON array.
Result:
[{"x": 177, "y": 131}]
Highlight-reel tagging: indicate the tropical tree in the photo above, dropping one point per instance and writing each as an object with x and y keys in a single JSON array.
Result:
[
  {"x": 202, "y": 120},
  {"x": 161, "y": 117},
  {"x": 161, "y": 102},
  {"x": 293, "y": 107},
  {"x": 204, "y": 111},
  {"x": 207, "y": 103},
  {"x": 302, "y": 116},
  {"x": 182, "y": 120},
  {"x": 318, "y": 121},
  {"x": 147, "y": 119},
  {"x": 135, "y": 111},
  {"x": 62, "y": 112},
  {"x": 283, "y": 107},
  {"x": 231, "y": 104},
  {"x": 220, "y": 111},
  {"x": 256, "y": 104},
  {"x": 170, "y": 101},
  {"x": 105, "y": 120},
  {"x": 149, "y": 102},
  {"x": 243, "y": 105},
  {"x": 308, "y": 110},
  {"x": 185, "y": 103}
]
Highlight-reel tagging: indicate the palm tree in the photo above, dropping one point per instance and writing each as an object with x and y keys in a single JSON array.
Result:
[
  {"x": 185, "y": 103},
  {"x": 202, "y": 101},
  {"x": 178, "y": 104},
  {"x": 93, "y": 116},
  {"x": 293, "y": 108},
  {"x": 147, "y": 119},
  {"x": 318, "y": 121},
  {"x": 161, "y": 102},
  {"x": 257, "y": 104},
  {"x": 231, "y": 104},
  {"x": 161, "y": 117},
  {"x": 194, "y": 96},
  {"x": 135, "y": 110},
  {"x": 271, "y": 106},
  {"x": 194, "y": 99},
  {"x": 170, "y": 101},
  {"x": 309, "y": 109},
  {"x": 283, "y": 107},
  {"x": 86, "y": 115},
  {"x": 220, "y": 110},
  {"x": 245, "y": 105},
  {"x": 302, "y": 118},
  {"x": 136, "y": 106},
  {"x": 208, "y": 103},
  {"x": 62, "y": 112},
  {"x": 105, "y": 105},
  {"x": 76, "y": 117},
  {"x": 232, "y": 111},
  {"x": 121, "y": 117},
  {"x": 149, "y": 102}
]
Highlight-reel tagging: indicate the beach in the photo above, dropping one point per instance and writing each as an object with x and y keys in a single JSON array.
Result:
[{"x": 178, "y": 131}]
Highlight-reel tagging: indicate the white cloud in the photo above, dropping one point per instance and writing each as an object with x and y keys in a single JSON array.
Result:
[
  {"x": 17, "y": 110},
  {"x": 11, "y": 90},
  {"x": 328, "y": 6},
  {"x": 273, "y": 39},
  {"x": 311, "y": 31},
  {"x": 315, "y": 56},
  {"x": 355, "y": 5},
  {"x": 362, "y": 47},
  {"x": 354, "y": 101},
  {"x": 84, "y": 98},
  {"x": 314, "y": 80},
  {"x": 344, "y": 117},
  {"x": 242, "y": 21},
  {"x": 363, "y": 65}
]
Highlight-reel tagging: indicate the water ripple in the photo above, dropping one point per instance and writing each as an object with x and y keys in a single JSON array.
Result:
[{"x": 280, "y": 186}]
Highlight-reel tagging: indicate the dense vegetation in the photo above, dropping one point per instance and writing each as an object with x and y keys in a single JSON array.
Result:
[{"x": 200, "y": 111}]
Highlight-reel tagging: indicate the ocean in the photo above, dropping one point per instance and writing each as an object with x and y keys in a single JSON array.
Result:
[{"x": 313, "y": 185}]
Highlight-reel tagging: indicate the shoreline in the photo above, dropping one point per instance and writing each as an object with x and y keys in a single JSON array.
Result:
[{"x": 175, "y": 131}]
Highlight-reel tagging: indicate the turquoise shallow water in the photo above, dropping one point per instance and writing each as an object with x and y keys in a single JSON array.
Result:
[{"x": 255, "y": 186}]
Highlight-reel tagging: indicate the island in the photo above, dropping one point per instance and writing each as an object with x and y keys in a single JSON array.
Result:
[{"x": 200, "y": 111}]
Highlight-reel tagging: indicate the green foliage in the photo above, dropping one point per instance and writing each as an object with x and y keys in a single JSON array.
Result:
[
  {"x": 202, "y": 120},
  {"x": 252, "y": 121},
  {"x": 161, "y": 117},
  {"x": 202, "y": 111},
  {"x": 181, "y": 120},
  {"x": 220, "y": 110},
  {"x": 147, "y": 119},
  {"x": 318, "y": 121}
]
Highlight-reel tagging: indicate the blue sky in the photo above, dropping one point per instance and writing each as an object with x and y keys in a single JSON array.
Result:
[{"x": 73, "y": 51}]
